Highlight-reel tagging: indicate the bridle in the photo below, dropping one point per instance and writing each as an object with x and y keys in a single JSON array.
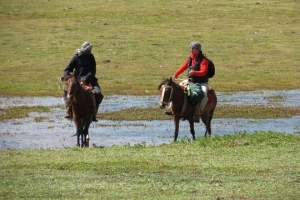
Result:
[
  {"x": 163, "y": 103},
  {"x": 69, "y": 96},
  {"x": 164, "y": 88}
]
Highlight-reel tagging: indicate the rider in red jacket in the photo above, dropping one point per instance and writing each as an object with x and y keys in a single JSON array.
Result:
[{"x": 197, "y": 66}]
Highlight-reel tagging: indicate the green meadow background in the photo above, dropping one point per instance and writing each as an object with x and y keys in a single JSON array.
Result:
[{"x": 254, "y": 44}]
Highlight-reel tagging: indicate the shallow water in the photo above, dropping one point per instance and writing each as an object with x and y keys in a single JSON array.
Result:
[
  {"x": 111, "y": 103},
  {"x": 55, "y": 132}
]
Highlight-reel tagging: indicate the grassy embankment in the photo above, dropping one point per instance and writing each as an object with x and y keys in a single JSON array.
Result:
[{"x": 241, "y": 166}]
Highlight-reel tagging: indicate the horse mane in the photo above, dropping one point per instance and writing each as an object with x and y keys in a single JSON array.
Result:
[
  {"x": 170, "y": 82},
  {"x": 163, "y": 82},
  {"x": 167, "y": 81}
]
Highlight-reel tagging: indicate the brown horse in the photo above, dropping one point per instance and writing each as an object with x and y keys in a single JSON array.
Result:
[
  {"x": 82, "y": 101},
  {"x": 182, "y": 108}
]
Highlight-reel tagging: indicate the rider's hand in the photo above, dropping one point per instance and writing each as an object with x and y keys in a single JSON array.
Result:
[
  {"x": 191, "y": 73},
  {"x": 82, "y": 80}
]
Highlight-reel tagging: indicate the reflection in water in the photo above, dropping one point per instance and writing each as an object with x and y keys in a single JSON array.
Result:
[{"x": 55, "y": 132}]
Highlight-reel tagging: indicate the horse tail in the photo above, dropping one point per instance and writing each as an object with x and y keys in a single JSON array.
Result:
[{"x": 213, "y": 95}]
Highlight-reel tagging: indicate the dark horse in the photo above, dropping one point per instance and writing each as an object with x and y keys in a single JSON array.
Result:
[
  {"x": 182, "y": 108},
  {"x": 82, "y": 101}
]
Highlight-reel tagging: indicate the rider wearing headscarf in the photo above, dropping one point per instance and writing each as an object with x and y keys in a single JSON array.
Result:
[{"x": 84, "y": 63}]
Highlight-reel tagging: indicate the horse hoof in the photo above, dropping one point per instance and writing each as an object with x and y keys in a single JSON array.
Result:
[{"x": 197, "y": 120}]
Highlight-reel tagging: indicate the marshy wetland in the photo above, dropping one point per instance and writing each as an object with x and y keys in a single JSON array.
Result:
[{"x": 43, "y": 130}]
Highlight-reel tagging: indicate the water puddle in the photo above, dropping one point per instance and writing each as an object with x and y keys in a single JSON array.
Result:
[{"x": 55, "y": 132}]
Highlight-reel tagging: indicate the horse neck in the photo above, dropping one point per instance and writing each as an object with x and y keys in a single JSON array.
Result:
[
  {"x": 79, "y": 96},
  {"x": 178, "y": 95}
]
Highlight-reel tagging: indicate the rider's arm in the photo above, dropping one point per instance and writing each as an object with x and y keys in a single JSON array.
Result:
[
  {"x": 181, "y": 69},
  {"x": 70, "y": 66}
]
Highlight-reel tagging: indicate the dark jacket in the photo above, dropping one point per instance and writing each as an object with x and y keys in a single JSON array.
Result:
[{"x": 85, "y": 66}]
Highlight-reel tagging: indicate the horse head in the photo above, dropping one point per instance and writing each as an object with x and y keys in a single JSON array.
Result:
[
  {"x": 166, "y": 90},
  {"x": 72, "y": 85}
]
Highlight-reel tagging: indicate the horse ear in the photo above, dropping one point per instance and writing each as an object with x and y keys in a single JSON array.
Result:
[
  {"x": 171, "y": 79},
  {"x": 74, "y": 72}
]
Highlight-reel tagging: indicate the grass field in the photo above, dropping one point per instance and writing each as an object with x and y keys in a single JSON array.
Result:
[
  {"x": 254, "y": 45},
  {"x": 241, "y": 166}
]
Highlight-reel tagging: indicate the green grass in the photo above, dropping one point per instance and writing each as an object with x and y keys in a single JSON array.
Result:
[
  {"x": 263, "y": 165},
  {"x": 21, "y": 111},
  {"x": 254, "y": 44},
  {"x": 222, "y": 111}
]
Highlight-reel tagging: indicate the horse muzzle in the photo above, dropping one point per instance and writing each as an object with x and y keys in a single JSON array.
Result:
[
  {"x": 162, "y": 104},
  {"x": 69, "y": 99}
]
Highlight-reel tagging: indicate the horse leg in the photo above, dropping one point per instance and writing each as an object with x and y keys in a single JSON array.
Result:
[
  {"x": 192, "y": 130},
  {"x": 206, "y": 119},
  {"x": 208, "y": 128},
  {"x": 86, "y": 136},
  {"x": 209, "y": 123},
  {"x": 176, "y": 123},
  {"x": 87, "y": 142},
  {"x": 78, "y": 135},
  {"x": 82, "y": 135}
]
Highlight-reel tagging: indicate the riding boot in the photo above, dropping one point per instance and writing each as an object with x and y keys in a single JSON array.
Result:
[
  {"x": 98, "y": 97},
  {"x": 197, "y": 113},
  {"x": 69, "y": 113},
  {"x": 94, "y": 116}
]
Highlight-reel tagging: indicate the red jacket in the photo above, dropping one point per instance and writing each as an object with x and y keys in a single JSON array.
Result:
[{"x": 199, "y": 72}]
